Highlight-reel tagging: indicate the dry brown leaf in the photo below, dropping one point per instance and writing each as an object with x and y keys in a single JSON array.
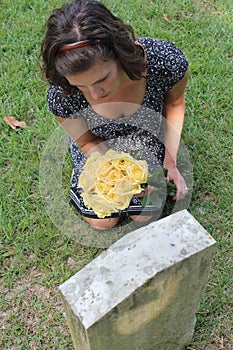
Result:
[
  {"x": 13, "y": 122},
  {"x": 165, "y": 16},
  {"x": 71, "y": 262},
  {"x": 10, "y": 251}
]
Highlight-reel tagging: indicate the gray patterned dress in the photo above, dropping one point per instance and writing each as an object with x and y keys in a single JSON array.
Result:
[{"x": 140, "y": 134}]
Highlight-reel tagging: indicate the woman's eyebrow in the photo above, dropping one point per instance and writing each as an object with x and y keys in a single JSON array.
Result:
[{"x": 96, "y": 82}]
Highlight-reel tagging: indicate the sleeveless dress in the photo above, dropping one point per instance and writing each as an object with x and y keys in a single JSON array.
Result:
[{"x": 140, "y": 134}]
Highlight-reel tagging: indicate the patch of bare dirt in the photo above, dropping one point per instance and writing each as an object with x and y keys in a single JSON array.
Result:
[{"x": 32, "y": 313}]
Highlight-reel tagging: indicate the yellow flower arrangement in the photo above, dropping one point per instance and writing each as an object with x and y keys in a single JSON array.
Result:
[{"x": 110, "y": 181}]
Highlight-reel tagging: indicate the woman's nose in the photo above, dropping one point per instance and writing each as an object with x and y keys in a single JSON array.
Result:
[{"x": 96, "y": 92}]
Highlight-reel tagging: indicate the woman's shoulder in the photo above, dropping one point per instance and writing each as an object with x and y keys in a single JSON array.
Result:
[
  {"x": 166, "y": 62},
  {"x": 63, "y": 105},
  {"x": 158, "y": 48}
]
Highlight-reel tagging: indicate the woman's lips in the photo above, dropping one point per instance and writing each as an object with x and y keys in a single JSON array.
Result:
[{"x": 104, "y": 96}]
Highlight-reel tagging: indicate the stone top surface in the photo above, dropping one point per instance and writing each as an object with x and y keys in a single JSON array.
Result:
[{"x": 130, "y": 262}]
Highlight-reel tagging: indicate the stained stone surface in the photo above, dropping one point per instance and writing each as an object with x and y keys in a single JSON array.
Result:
[{"x": 143, "y": 292}]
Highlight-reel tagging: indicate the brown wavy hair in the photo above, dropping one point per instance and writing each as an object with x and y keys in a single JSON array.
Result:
[{"x": 87, "y": 20}]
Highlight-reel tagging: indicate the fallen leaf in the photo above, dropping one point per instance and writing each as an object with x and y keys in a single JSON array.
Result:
[
  {"x": 71, "y": 262},
  {"x": 13, "y": 122},
  {"x": 47, "y": 293},
  {"x": 31, "y": 111},
  {"x": 205, "y": 105},
  {"x": 165, "y": 16},
  {"x": 208, "y": 197},
  {"x": 11, "y": 251}
]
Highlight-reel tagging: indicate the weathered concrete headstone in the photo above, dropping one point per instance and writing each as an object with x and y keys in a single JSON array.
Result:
[{"x": 143, "y": 292}]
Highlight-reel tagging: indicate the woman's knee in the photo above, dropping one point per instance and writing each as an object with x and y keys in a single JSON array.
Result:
[
  {"x": 102, "y": 224},
  {"x": 140, "y": 218}
]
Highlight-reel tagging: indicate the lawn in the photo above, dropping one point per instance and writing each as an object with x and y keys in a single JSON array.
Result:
[{"x": 36, "y": 256}]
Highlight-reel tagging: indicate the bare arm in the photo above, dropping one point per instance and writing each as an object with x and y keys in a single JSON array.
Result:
[
  {"x": 85, "y": 140},
  {"x": 174, "y": 107}
]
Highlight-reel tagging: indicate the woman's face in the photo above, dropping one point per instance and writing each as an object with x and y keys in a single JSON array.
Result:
[{"x": 100, "y": 82}]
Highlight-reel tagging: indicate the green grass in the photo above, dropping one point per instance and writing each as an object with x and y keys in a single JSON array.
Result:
[{"x": 35, "y": 256}]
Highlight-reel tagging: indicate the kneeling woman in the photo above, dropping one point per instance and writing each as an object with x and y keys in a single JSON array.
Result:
[{"x": 112, "y": 91}]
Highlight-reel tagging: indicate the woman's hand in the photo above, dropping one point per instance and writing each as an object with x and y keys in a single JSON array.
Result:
[{"x": 174, "y": 175}]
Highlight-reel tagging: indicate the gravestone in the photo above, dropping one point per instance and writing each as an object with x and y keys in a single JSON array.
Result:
[{"x": 142, "y": 293}]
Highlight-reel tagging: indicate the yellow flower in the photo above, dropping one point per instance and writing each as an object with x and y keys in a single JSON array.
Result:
[
  {"x": 102, "y": 187},
  {"x": 92, "y": 162},
  {"x": 122, "y": 202},
  {"x": 120, "y": 160},
  {"x": 138, "y": 172},
  {"x": 87, "y": 181},
  {"x": 99, "y": 205},
  {"x": 114, "y": 176},
  {"x": 104, "y": 168},
  {"x": 110, "y": 181},
  {"x": 112, "y": 197},
  {"x": 127, "y": 187},
  {"x": 86, "y": 198},
  {"x": 122, "y": 163}
]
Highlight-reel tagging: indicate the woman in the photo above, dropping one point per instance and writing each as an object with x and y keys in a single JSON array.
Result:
[{"x": 110, "y": 90}]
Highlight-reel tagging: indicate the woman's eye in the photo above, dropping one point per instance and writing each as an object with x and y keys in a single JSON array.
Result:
[
  {"x": 100, "y": 81},
  {"x": 85, "y": 88}
]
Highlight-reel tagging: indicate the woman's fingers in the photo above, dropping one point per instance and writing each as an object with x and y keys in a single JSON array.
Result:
[{"x": 181, "y": 187}]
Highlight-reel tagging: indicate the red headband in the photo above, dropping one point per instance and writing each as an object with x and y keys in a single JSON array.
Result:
[{"x": 79, "y": 44}]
